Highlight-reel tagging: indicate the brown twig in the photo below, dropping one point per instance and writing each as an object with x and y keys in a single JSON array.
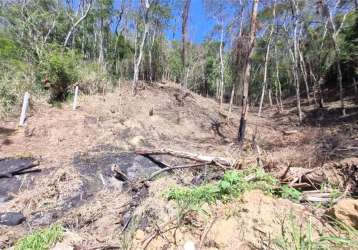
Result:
[
  {"x": 157, "y": 232},
  {"x": 206, "y": 231}
]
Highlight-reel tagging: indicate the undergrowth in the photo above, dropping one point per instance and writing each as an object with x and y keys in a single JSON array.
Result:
[
  {"x": 296, "y": 236},
  {"x": 232, "y": 185},
  {"x": 41, "y": 240}
]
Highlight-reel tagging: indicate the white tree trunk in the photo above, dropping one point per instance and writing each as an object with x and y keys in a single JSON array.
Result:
[
  {"x": 265, "y": 76},
  {"x": 221, "y": 65},
  {"x": 73, "y": 27}
]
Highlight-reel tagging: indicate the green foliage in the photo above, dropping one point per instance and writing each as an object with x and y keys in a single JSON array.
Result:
[
  {"x": 41, "y": 240},
  {"x": 57, "y": 69},
  {"x": 7, "y": 98},
  {"x": 232, "y": 185},
  {"x": 297, "y": 237},
  {"x": 290, "y": 193}
]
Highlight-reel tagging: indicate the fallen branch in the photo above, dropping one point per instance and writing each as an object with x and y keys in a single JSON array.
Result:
[
  {"x": 158, "y": 232},
  {"x": 196, "y": 157},
  {"x": 206, "y": 231},
  {"x": 175, "y": 167}
]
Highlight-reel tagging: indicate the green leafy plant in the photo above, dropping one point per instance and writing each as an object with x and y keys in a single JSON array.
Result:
[
  {"x": 41, "y": 240},
  {"x": 290, "y": 193},
  {"x": 57, "y": 71}
]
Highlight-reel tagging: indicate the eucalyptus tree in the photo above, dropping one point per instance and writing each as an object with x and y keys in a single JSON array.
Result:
[{"x": 247, "y": 71}]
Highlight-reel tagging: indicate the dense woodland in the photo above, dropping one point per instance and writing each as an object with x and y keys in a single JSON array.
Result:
[{"x": 258, "y": 53}]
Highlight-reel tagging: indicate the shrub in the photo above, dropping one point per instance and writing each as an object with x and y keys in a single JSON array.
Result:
[
  {"x": 93, "y": 78},
  {"x": 57, "y": 71}
]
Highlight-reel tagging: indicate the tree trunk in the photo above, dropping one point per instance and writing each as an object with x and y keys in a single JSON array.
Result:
[
  {"x": 184, "y": 32},
  {"x": 221, "y": 65},
  {"x": 355, "y": 85},
  {"x": 150, "y": 59},
  {"x": 231, "y": 101},
  {"x": 265, "y": 77},
  {"x": 305, "y": 78},
  {"x": 247, "y": 69},
  {"x": 73, "y": 27},
  {"x": 137, "y": 60}
]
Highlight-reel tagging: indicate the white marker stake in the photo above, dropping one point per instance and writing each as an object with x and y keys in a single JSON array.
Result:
[
  {"x": 75, "y": 99},
  {"x": 25, "y": 105}
]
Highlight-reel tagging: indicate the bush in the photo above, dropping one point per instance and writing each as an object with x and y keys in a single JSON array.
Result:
[{"x": 57, "y": 71}]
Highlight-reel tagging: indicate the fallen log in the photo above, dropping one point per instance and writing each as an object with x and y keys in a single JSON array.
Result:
[{"x": 196, "y": 157}]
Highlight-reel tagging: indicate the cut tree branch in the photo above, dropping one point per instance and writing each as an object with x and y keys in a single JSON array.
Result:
[{"x": 196, "y": 157}]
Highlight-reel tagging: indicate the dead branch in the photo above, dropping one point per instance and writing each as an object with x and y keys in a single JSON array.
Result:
[
  {"x": 118, "y": 173},
  {"x": 196, "y": 157},
  {"x": 206, "y": 231},
  {"x": 157, "y": 232},
  {"x": 175, "y": 167},
  {"x": 290, "y": 132}
]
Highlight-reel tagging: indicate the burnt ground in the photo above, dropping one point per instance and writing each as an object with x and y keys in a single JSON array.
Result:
[{"x": 78, "y": 149}]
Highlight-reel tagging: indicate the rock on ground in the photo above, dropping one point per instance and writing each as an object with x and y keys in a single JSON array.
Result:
[{"x": 11, "y": 218}]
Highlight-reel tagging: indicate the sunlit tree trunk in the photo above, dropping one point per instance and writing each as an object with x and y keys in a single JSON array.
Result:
[
  {"x": 221, "y": 65},
  {"x": 246, "y": 75},
  {"x": 184, "y": 32},
  {"x": 265, "y": 76},
  {"x": 138, "y": 60},
  {"x": 278, "y": 83}
]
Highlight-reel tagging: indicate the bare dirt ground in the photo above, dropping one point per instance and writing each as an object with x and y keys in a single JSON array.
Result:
[{"x": 94, "y": 208}]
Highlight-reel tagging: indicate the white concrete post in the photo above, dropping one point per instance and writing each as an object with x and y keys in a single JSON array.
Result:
[
  {"x": 25, "y": 106},
  {"x": 75, "y": 99}
]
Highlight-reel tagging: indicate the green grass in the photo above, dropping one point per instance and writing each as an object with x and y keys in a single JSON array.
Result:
[
  {"x": 232, "y": 185},
  {"x": 41, "y": 240},
  {"x": 297, "y": 237}
]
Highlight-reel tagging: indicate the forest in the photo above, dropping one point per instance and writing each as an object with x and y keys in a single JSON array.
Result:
[{"x": 172, "y": 124}]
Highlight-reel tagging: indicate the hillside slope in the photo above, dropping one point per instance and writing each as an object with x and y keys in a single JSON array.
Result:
[{"x": 78, "y": 150}]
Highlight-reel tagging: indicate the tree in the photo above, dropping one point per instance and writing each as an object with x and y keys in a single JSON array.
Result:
[
  {"x": 247, "y": 69},
  {"x": 184, "y": 32}
]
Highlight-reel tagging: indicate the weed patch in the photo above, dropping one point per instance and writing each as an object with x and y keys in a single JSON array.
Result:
[
  {"x": 298, "y": 237},
  {"x": 41, "y": 240},
  {"x": 232, "y": 185}
]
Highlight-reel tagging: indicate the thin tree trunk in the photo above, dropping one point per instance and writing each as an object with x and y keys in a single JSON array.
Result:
[
  {"x": 337, "y": 50},
  {"x": 184, "y": 31},
  {"x": 279, "y": 87},
  {"x": 221, "y": 65},
  {"x": 231, "y": 101},
  {"x": 265, "y": 76},
  {"x": 137, "y": 60},
  {"x": 355, "y": 85},
  {"x": 304, "y": 73},
  {"x": 150, "y": 59},
  {"x": 247, "y": 69},
  {"x": 266, "y": 64},
  {"x": 73, "y": 27}
]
